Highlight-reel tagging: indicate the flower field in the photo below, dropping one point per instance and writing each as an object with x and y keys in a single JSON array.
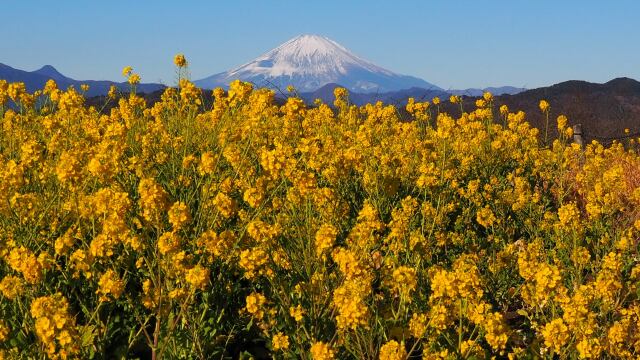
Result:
[{"x": 248, "y": 228}]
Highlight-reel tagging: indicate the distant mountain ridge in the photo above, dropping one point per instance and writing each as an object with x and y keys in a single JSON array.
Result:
[
  {"x": 309, "y": 62},
  {"x": 35, "y": 80},
  {"x": 399, "y": 97},
  {"x": 604, "y": 110},
  {"x": 501, "y": 90}
]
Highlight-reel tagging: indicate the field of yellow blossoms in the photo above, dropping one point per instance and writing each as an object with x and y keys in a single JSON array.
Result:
[{"x": 252, "y": 229}]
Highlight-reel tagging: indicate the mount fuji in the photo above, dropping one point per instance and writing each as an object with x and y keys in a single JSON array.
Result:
[{"x": 309, "y": 62}]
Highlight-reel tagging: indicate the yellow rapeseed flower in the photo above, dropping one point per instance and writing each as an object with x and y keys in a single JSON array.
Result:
[
  {"x": 126, "y": 71},
  {"x": 321, "y": 351},
  {"x": 280, "y": 341},
  {"x": 392, "y": 350},
  {"x": 180, "y": 61},
  {"x": 543, "y": 105}
]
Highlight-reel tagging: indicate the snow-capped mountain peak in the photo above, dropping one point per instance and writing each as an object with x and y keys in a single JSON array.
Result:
[
  {"x": 309, "y": 62},
  {"x": 307, "y": 54}
]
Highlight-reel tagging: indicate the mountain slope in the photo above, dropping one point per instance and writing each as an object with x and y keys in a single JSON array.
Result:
[
  {"x": 604, "y": 110},
  {"x": 309, "y": 62},
  {"x": 398, "y": 98},
  {"x": 35, "y": 80},
  {"x": 501, "y": 90},
  {"x": 51, "y": 73}
]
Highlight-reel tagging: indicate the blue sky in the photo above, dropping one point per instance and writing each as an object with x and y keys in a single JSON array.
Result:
[{"x": 453, "y": 44}]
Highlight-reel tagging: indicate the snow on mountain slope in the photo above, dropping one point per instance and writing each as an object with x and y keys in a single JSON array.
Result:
[{"x": 309, "y": 62}]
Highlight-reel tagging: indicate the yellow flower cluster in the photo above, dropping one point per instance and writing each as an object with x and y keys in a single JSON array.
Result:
[
  {"x": 54, "y": 326},
  {"x": 180, "y": 60},
  {"x": 280, "y": 342},
  {"x": 153, "y": 200},
  {"x": 110, "y": 285},
  {"x": 393, "y": 351},
  {"x": 198, "y": 277},
  {"x": 322, "y": 351},
  {"x": 25, "y": 262},
  {"x": 405, "y": 281},
  {"x": 179, "y": 215},
  {"x": 4, "y": 331},
  {"x": 11, "y": 287},
  {"x": 255, "y": 303},
  {"x": 325, "y": 238},
  {"x": 328, "y": 231}
]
